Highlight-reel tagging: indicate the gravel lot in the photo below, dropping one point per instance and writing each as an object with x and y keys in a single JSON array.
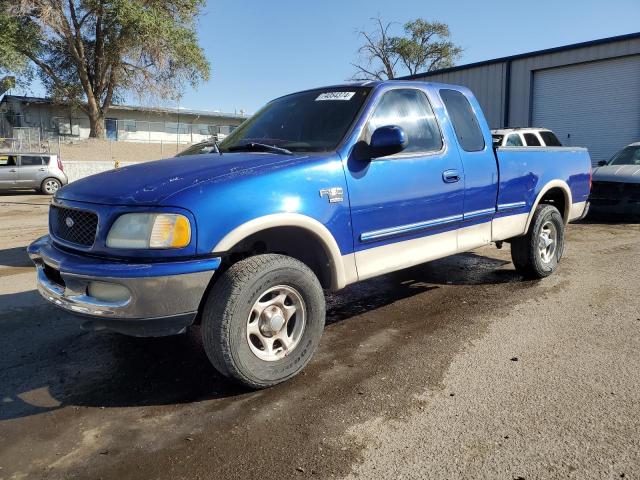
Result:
[{"x": 454, "y": 369}]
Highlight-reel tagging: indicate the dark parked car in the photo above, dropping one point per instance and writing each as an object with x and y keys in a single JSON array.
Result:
[{"x": 616, "y": 183}]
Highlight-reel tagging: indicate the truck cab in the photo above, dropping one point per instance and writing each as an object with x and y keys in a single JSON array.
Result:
[{"x": 318, "y": 190}]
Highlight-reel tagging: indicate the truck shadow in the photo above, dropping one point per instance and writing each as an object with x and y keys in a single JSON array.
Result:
[
  {"x": 15, "y": 257},
  {"x": 51, "y": 363}
]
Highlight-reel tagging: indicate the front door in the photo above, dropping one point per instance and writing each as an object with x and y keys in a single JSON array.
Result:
[
  {"x": 111, "y": 126},
  {"x": 8, "y": 171},
  {"x": 405, "y": 207}
]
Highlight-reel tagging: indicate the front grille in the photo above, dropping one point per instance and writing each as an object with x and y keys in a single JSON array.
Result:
[
  {"x": 73, "y": 226},
  {"x": 615, "y": 190}
]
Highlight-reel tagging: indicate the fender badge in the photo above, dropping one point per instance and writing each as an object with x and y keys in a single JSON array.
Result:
[{"x": 334, "y": 194}]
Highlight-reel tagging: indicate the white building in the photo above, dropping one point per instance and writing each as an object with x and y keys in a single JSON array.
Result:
[{"x": 45, "y": 119}]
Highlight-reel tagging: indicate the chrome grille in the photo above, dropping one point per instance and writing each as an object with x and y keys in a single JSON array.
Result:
[{"x": 73, "y": 226}]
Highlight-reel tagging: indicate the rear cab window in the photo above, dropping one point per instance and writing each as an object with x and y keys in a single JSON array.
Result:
[{"x": 464, "y": 120}]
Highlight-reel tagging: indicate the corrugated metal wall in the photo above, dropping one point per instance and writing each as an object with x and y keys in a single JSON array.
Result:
[
  {"x": 489, "y": 80},
  {"x": 522, "y": 71},
  {"x": 594, "y": 105}
]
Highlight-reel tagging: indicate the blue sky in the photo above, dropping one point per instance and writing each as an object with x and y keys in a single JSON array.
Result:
[{"x": 262, "y": 49}]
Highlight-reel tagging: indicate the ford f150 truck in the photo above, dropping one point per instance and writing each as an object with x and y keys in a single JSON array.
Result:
[{"x": 318, "y": 190}]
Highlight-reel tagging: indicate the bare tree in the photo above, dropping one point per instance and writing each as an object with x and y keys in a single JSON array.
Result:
[{"x": 425, "y": 46}]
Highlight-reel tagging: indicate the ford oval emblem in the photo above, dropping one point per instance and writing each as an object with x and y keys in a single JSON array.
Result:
[{"x": 69, "y": 222}]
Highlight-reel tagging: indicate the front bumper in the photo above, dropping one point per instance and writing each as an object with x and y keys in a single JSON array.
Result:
[
  {"x": 162, "y": 299},
  {"x": 615, "y": 198}
]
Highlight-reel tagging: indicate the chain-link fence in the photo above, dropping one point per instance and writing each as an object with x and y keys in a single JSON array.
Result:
[
  {"x": 25, "y": 139},
  {"x": 70, "y": 129}
]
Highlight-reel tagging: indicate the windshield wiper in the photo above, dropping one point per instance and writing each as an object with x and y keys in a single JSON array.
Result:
[{"x": 259, "y": 146}]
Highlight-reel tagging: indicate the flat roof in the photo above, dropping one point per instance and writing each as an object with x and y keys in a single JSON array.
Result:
[
  {"x": 136, "y": 108},
  {"x": 590, "y": 43}
]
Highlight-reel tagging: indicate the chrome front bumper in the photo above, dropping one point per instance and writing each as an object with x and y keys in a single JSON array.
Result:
[{"x": 168, "y": 301}]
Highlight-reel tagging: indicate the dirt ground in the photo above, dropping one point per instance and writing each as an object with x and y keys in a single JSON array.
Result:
[{"x": 454, "y": 369}]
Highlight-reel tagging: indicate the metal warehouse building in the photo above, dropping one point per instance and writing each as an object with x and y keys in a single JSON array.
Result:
[{"x": 588, "y": 93}]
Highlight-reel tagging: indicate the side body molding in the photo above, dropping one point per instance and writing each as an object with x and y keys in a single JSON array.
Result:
[
  {"x": 510, "y": 226},
  {"x": 343, "y": 267}
]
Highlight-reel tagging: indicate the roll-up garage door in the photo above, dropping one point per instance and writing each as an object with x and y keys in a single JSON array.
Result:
[{"x": 594, "y": 105}]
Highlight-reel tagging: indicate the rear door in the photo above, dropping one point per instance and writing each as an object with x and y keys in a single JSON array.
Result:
[
  {"x": 479, "y": 164},
  {"x": 400, "y": 203},
  {"x": 32, "y": 170},
  {"x": 8, "y": 171}
]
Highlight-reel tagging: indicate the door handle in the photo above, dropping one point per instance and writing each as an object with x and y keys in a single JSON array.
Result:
[
  {"x": 13, "y": 170},
  {"x": 42, "y": 169},
  {"x": 451, "y": 176}
]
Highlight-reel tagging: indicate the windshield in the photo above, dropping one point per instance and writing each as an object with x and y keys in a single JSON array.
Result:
[
  {"x": 198, "y": 148},
  {"x": 312, "y": 121},
  {"x": 627, "y": 156}
]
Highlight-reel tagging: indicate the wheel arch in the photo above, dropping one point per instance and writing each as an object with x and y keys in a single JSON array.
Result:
[
  {"x": 341, "y": 269},
  {"x": 549, "y": 194}
]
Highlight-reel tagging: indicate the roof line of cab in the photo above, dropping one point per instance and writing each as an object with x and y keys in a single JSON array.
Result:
[{"x": 379, "y": 83}]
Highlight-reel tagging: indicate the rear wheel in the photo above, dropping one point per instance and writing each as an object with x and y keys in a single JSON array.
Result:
[
  {"x": 537, "y": 254},
  {"x": 50, "y": 186},
  {"x": 263, "y": 320}
]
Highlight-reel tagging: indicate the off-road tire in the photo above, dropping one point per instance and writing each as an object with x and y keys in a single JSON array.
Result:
[
  {"x": 525, "y": 251},
  {"x": 227, "y": 309}
]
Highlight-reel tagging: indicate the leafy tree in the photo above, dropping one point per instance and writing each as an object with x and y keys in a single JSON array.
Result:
[
  {"x": 88, "y": 53},
  {"x": 425, "y": 46}
]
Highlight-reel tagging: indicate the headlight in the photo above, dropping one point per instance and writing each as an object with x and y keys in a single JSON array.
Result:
[{"x": 150, "y": 230}]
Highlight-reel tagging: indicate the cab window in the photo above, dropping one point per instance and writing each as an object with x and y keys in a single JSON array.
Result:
[
  {"x": 410, "y": 110},
  {"x": 513, "y": 140},
  {"x": 550, "y": 139},
  {"x": 531, "y": 139}
]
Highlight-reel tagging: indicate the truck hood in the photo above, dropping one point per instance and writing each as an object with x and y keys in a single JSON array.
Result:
[
  {"x": 617, "y": 173},
  {"x": 150, "y": 183}
]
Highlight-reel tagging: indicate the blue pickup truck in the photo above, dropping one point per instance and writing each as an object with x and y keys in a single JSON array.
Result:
[{"x": 316, "y": 191}]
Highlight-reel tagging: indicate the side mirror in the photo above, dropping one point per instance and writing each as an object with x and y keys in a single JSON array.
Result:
[
  {"x": 387, "y": 141},
  {"x": 602, "y": 163}
]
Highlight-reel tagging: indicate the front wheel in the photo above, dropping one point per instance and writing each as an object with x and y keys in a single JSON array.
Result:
[
  {"x": 263, "y": 319},
  {"x": 537, "y": 254}
]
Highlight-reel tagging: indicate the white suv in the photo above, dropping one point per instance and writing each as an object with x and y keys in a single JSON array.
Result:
[{"x": 524, "y": 137}]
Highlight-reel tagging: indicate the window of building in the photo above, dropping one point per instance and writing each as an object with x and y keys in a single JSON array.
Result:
[
  {"x": 464, "y": 120},
  {"x": 177, "y": 128},
  {"x": 129, "y": 125},
  {"x": 531, "y": 139},
  {"x": 514, "y": 140},
  {"x": 410, "y": 110}
]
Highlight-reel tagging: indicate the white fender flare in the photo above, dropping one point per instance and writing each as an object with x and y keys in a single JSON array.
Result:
[
  {"x": 343, "y": 269},
  {"x": 567, "y": 200}
]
